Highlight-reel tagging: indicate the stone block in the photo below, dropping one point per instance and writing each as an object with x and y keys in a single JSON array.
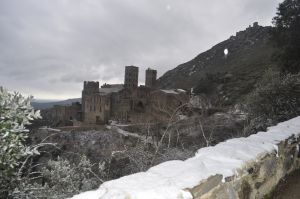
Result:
[{"x": 206, "y": 186}]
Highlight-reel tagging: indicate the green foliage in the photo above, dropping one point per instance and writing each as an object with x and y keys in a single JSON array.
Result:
[
  {"x": 276, "y": 98},
  {"x": 15, "y": 113},
  {"x": 61, "y": 179},
  {"x": 286, "y": 35}
]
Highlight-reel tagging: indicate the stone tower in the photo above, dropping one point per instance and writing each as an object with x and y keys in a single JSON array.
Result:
[
  {"x": 131, "y": 77},
  {"x": 151, "y": 78},
  {"x": 90, "y": 87},
  {"x": 89, "y": 90}
]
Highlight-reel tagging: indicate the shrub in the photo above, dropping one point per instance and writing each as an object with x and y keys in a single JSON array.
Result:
[
  {"x": 275, "y": 99},
  {"x": 286, "y": 35},
  {"x": 15, "y": 113},
  {"x": 59, "y": 179}
]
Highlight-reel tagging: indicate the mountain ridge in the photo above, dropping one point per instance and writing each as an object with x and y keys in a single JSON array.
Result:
[
  {"x": 249, "y": 55},
  {"x": 46, "y": 105}
]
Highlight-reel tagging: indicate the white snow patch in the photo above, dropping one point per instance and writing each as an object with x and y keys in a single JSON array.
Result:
[
  {"x": 90, "y": 194},
  {"x": 174, "y": 91},
  {"x": 169, "y": 179},
  {"x": 126, "y": 134},
  {"x": 169, "y": 91},
  {"x": 50, "y": 129},
  {"x": 182, "y": 117},
  {"x": 180, "y": 90}
]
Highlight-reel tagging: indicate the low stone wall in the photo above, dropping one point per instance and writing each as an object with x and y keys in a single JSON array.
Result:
[
  {"x": 239, "y": 168},
  {"x": 256, "y": 179}
]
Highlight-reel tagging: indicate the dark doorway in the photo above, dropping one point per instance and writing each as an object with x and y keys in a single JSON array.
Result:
[{"x": 140, "y": 107}]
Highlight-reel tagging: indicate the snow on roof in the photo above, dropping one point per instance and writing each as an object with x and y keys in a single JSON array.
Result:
[
  {"x": 112, "y": 89},
  {"x": 173, "y": 91},
  {"x": 181, "y": 90},
  {"x": 169, "y": 179},
  {"x": 169, "y": 91}
]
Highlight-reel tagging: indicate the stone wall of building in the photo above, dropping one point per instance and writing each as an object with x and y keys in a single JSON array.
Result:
[
  {"x": 163, "y": 103},
  {"x": 96, "y": 109},
  {"x": 96, "y": 105},
  {"x": 123, "y": 103},
  {"x": 131, "y": 77},
  {"x": 128, "y": 101},
  {"x": 63, "y": 115},
  {"x": 150, "y": 78},
  {"x": 120, "y": 102},
  {"x": 90, "y": 102}
]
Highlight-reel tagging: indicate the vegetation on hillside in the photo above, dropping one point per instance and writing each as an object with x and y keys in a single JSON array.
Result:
[
  {"x": 227, "y": 78},
  {"x": 286, "y": 35},
  {"x": 275, "y": 99},
  {"x": 276, "y": 96}
]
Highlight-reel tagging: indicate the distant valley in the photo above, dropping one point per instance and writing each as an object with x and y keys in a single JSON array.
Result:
[{"x": 44, "y": 104}]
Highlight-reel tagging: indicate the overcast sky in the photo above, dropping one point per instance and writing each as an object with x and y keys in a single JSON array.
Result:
[{"x": 49, "y": 47}]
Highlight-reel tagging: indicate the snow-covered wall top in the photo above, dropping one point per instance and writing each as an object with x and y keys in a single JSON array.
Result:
[{"x": 170, "y": 180}]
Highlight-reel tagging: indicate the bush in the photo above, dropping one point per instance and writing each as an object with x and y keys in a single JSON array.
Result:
[
  {"x": 205, "y": 86},
  {"x": 15, "y": 113},
  {"x": 275, "y": 99},
  {"x": 19, "y": 177},
  {"x": 286, "y": 35},
  {"x": 59, "y": 179}
]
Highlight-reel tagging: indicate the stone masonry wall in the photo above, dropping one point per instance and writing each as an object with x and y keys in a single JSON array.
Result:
[{"x": 256, "y": 179}]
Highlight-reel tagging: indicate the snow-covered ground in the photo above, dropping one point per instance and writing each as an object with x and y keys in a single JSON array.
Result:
[{"x": 169, "y": 179}]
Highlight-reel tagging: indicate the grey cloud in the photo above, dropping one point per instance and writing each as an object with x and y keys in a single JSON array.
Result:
[{"x": 47, "y": 48}]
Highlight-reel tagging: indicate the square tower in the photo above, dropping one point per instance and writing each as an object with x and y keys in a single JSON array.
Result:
[
  {"x": 90, "y": 87},
  {"x": 131, "y": 77},
  {"x": 90, "y": 90},
  {"x": 151, "y": 78}
]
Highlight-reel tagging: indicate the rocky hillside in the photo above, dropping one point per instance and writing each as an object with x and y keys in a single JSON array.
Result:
[{"x": 231, "y": 76}]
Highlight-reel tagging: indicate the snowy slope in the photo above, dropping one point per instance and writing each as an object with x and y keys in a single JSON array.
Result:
[{"x": 168, "y": 180}]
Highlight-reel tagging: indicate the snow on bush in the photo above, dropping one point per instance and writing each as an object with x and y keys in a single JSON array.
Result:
[{"x": 15, "y": 113}]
